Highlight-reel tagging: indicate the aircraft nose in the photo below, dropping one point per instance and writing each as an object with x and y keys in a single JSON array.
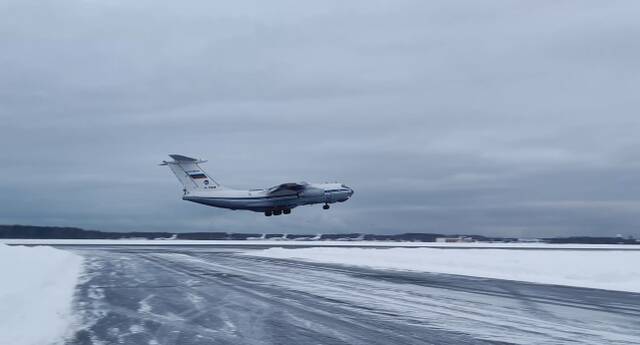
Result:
[{"x": 351, "y": 191}]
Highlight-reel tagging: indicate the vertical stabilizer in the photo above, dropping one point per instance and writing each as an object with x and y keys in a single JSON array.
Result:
[{"x": 189, "y": 173}]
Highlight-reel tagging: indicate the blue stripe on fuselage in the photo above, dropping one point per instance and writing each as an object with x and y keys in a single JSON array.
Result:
[{"x": 241, "y": 197}]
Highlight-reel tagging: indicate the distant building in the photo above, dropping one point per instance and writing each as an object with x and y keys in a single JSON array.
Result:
[
  {"x": 458, "y": 239},
  {"x": 530, "y": 240},
  {"x": 360, "y": 237}
]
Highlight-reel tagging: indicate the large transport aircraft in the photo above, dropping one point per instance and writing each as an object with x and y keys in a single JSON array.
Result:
[{"x": 202, "y": 189}]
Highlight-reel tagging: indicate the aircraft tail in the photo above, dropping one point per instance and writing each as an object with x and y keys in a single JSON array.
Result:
[{"x": 189, "y": 173}]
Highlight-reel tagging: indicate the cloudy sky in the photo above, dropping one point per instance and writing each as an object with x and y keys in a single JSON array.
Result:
[{"x": 516, "y": 118}]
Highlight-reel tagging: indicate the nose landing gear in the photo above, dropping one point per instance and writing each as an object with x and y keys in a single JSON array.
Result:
[{"x": 325, "y": 207}]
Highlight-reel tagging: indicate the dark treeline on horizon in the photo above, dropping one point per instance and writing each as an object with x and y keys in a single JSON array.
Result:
[{"x": 48, "y": 232}]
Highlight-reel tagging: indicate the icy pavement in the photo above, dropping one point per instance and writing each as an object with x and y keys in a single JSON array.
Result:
[{"x": 182, "y": 295}]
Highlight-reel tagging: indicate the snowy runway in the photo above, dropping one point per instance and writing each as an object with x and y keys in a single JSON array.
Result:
[
  {"x": 599, "y": 269},
  {"x": 204, "y": 295}
]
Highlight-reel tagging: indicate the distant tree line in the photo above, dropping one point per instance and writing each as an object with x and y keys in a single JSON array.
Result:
[
  {"x": 49, "y": 232},
  {"x": 592, "y": 240}
]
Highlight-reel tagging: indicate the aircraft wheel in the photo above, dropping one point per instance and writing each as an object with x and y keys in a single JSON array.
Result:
[
  {"x": 325, "y": 207},
  {"x": 286, "y": 211},
  {"x": 277, "y": 212},
  {"x": 267, "y": 213}
]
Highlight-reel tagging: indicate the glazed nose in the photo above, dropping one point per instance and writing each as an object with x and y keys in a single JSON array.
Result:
[{"x": 350, "y": 191}]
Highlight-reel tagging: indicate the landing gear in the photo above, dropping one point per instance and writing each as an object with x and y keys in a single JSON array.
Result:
[
  {"x": 277, "y": 212},
  {"x": 325, "y": 207}
]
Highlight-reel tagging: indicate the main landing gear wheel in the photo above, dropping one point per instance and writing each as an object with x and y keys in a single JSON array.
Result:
[
  {"x": 325, "y": 207},
  {"x": 270, "y": 213}
]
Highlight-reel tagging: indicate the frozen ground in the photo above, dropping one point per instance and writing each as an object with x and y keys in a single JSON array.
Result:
[
  {"x": 36, "y": 289},
  {"x": 602, "y": 269},
  {"x": 216, "y": 294},
  {"x": 212, "y": 295}
]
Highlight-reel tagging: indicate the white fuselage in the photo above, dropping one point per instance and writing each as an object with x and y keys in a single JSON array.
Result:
[{"x": 262, "y": 200}]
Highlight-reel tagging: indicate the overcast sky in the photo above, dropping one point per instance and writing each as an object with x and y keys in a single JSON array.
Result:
[{"x": 515, "y": 118}]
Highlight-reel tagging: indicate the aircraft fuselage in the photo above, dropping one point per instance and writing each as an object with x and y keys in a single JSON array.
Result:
[{"x": 261, "y": 200}]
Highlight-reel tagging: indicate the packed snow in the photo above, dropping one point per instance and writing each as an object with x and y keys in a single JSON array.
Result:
[
  {"x": 36, "y": 293},
  {"x": 311, "y": 243},
  {"x": 600, "y": 269}
]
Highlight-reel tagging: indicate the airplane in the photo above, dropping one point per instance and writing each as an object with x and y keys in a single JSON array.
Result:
[{"x": 200, "y": 188}]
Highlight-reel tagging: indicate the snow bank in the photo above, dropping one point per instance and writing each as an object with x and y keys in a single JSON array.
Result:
[
  {"x": 293, "y": 243},
  {"x": 36, "y": 289},
  {"x": 601, "y": 269}
]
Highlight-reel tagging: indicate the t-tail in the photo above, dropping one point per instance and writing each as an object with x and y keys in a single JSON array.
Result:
[{"x": 189, "y": 173}]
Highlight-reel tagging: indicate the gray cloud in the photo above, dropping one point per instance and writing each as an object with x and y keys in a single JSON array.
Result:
[{"x": 503, "y": 118}]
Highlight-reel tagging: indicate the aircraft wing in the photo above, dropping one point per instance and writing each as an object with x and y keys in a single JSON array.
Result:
[{"x": 287, "y": 187}]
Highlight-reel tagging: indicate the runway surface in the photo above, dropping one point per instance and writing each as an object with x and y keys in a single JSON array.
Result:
[{"x": 213, "y": 295}]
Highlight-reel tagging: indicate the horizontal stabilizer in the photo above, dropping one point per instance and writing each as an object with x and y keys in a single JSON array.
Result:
[{"x": 181, "y": 158}]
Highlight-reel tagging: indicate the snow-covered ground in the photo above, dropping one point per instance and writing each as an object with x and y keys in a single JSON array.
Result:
[
  {"x": 36, "y": 290},
  {"x": 289, "y": 243},
  {"x": 601, "y": 269}
]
